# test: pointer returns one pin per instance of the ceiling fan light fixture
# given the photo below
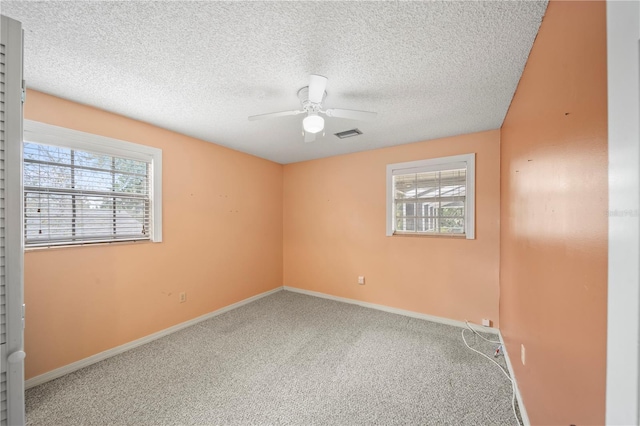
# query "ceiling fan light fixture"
(313, 123)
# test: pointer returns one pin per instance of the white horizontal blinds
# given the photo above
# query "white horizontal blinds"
(430, 201)
(74, 196)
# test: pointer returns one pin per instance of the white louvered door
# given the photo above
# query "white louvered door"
(11, 224)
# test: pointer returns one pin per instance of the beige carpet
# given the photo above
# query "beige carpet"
(287, 359)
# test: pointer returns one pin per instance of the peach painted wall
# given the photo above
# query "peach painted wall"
(334, 230)
(553, 292)
(222, 242)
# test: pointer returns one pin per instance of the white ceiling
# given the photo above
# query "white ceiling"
(430, 69)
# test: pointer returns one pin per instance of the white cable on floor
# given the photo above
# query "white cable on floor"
(480, 335)
(513, 385)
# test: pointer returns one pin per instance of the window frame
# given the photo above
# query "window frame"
(48, 134)
(431, 165)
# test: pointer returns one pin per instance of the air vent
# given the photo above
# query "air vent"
(348, 133)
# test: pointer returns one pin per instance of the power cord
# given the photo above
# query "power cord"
(480, 335)
(506, 374)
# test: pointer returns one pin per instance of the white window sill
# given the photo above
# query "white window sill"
(425, 234)
(89, 244)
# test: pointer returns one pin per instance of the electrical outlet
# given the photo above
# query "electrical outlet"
(183, 297)
(361, 280)
(486, 322)
(522, 355)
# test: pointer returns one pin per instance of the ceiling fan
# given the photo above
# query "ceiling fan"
(311, 98)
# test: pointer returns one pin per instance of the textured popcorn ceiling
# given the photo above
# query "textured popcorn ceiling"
(430, 69)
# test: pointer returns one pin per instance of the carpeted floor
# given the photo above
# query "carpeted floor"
(287, 359)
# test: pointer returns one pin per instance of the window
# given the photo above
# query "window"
(432, 197)
(81, 188)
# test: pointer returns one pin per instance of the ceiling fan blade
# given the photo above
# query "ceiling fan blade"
(275, 114)
(317, 86)
(351, 114)
(309, 137)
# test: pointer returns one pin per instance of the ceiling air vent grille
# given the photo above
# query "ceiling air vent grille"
(348, 133)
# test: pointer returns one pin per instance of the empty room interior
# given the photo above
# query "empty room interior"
(318, 213)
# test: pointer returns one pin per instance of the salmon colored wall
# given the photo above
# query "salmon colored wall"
(222, 242)
(553, 292)
(334, 230)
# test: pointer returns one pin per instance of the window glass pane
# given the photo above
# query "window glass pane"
(46, 175)
(131, 166)
(405, 186)
(427, 224)
(455, 208)
(429, 208)
(93, 160)
(92, 180)
(409, 209)
(47, 153)
(453, 183)
(452, 225)
(130, 183)
(440, 206)
(428, 184)
(405, 224)
(404, 209)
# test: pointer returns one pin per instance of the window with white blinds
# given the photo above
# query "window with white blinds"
(432, 197)
(81, 188)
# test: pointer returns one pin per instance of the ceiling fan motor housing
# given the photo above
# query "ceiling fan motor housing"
(307, 105)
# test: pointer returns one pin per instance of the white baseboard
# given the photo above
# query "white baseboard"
(59, 372)
(384, 308)
(523, 410)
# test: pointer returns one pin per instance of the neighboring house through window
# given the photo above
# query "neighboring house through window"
(432, 197)
(81, 188)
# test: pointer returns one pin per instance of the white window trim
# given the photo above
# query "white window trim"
(47, 134)
(433, 164)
